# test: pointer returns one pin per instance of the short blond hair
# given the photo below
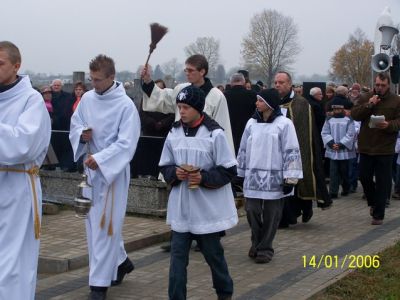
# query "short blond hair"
(13, 52)
(104, 64)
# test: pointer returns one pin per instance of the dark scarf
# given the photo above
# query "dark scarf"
(259, 117)
(287, 99)
(341, 115)
(207, 86)
(4, 88)
(311, 99)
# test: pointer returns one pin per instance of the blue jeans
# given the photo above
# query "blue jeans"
(213, 252)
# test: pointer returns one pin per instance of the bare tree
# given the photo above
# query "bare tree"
(207, 46)
(139, 71)
(271, 45)
(124, 76)
(220, 74)
(158, 73)
(232, 71)
(172, 67)
(352, 62)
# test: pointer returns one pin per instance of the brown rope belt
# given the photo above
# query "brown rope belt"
(110, 230)
(32, 172)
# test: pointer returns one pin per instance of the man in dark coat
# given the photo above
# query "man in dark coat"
(312, 186)
(241, 104)
(315, 99)
(62, 111)
(376, 144)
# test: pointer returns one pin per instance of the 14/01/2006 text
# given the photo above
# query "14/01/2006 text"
(348, 261)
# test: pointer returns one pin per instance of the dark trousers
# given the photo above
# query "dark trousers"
(326, 165)
(376, 192)
(397, 180)
(353, 172)
(63, 149)
(339, 174)
(394, 176)
(263, 217)
(293, 208)
(213, 252)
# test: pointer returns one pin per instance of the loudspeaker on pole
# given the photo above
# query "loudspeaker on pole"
(380, 62)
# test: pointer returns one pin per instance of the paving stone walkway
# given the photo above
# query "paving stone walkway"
(63, 241)
(341, 231)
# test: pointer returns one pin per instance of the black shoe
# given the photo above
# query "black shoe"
(344, 193)
(48, 168)
(307, 215)
(376, 221)
(396, 195)
(333, 196)
(252, 252)
(166, 247)
(262, 259)
(125, 268)
(283, 225)
(98, 293)
(371, 211)
(325, 204)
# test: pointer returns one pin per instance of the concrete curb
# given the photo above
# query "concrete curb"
(54, 265)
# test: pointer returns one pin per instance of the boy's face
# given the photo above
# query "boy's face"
(8, 70)
(188, 114)
(338, 111)
(261, 105)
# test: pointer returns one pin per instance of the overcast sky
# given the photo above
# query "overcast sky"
(57, 36)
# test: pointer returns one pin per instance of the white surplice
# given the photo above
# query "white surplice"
(164, 101)
(340, 130)
(201, 210)
(269, 153)
(24, 138)
(115, 127)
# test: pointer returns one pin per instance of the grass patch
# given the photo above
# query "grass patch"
(377, 284)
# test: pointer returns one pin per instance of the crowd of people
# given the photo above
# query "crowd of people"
(277, 145)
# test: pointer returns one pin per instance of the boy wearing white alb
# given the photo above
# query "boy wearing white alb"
(198, 163)
(270, 162)
(338, 138)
